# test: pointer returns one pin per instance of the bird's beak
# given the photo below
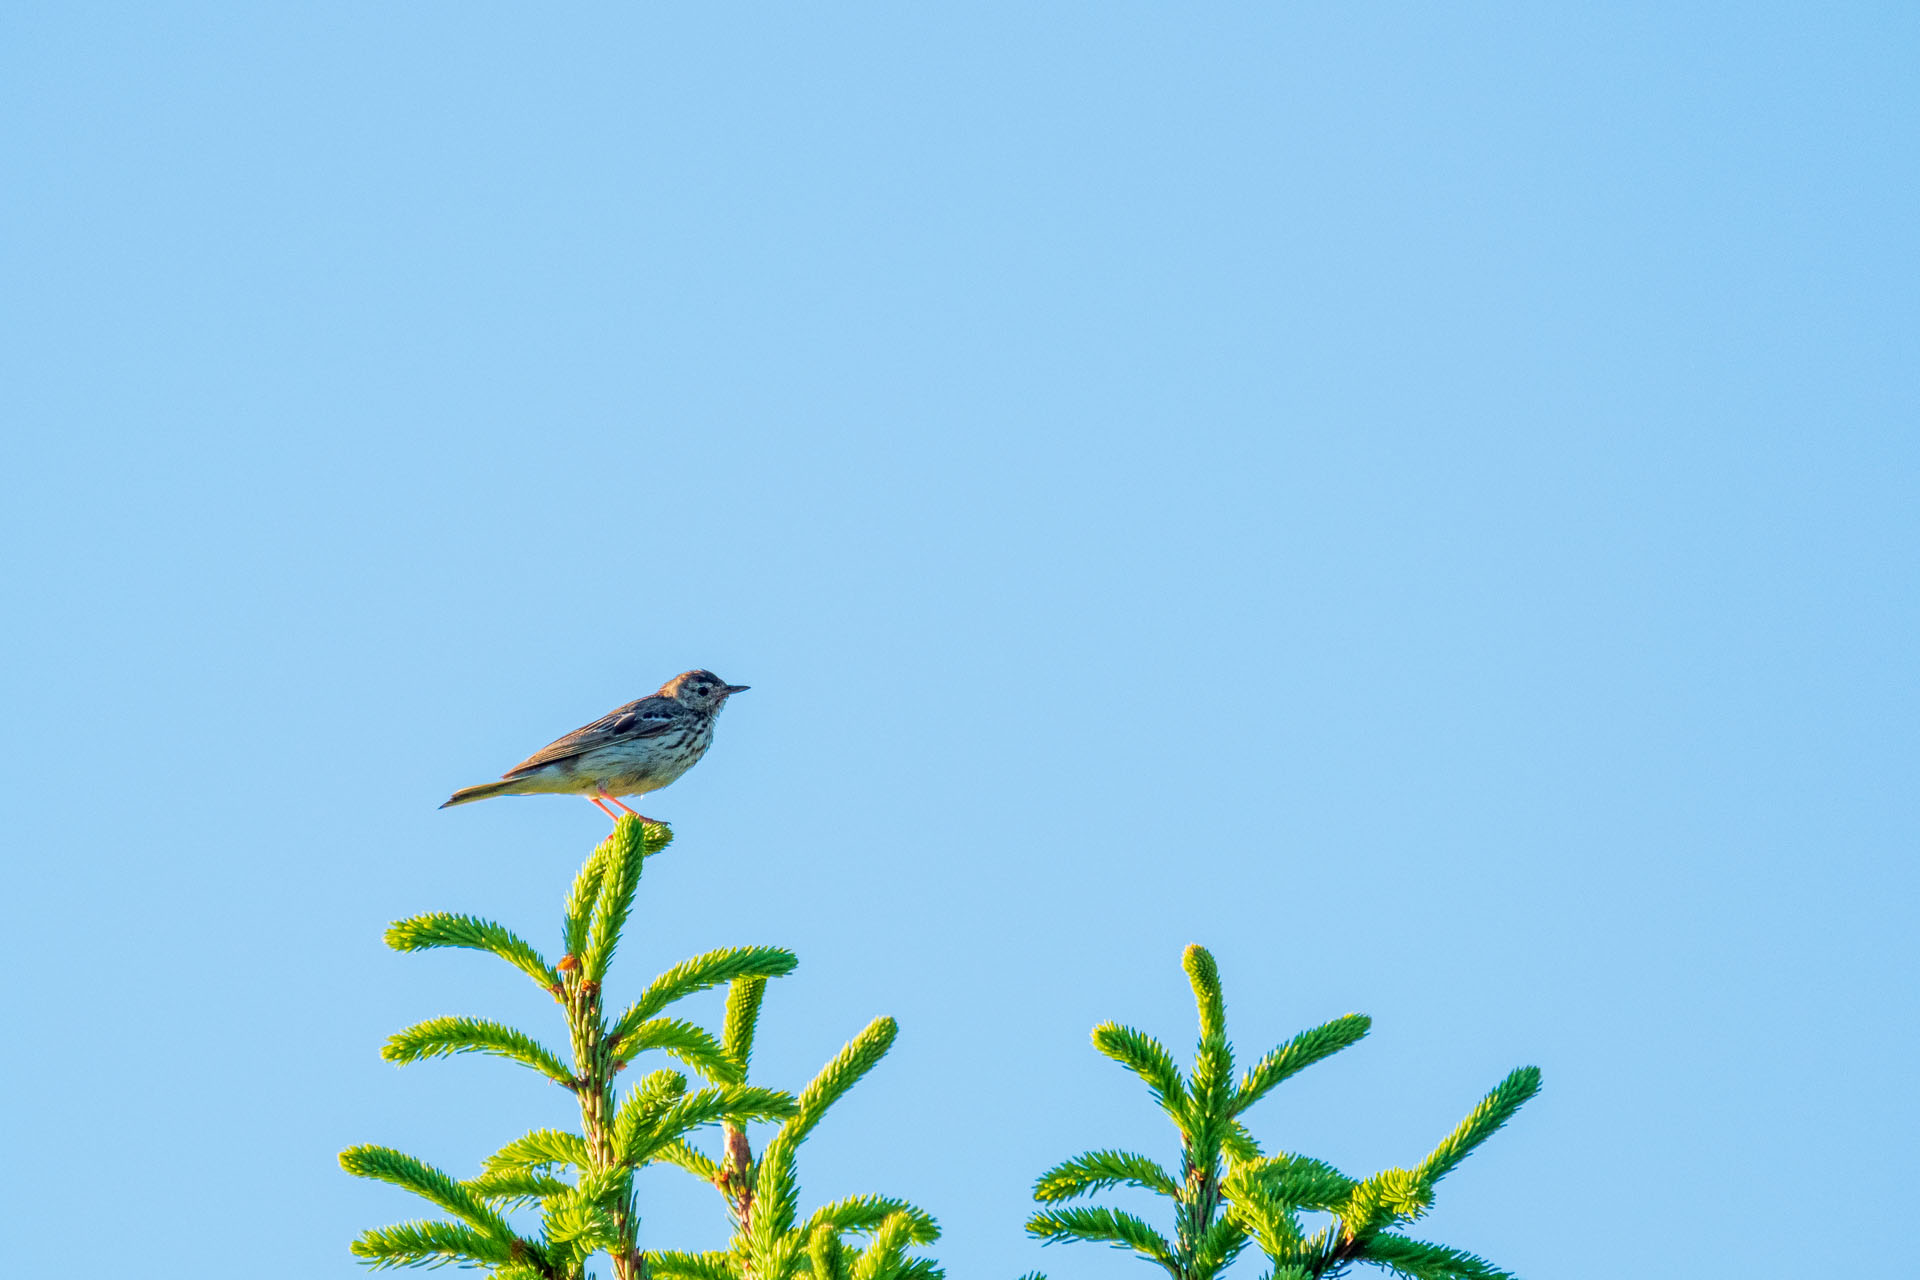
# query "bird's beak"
(738, 688)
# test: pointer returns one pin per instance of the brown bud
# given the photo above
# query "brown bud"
(739, 1153)
(568, 963)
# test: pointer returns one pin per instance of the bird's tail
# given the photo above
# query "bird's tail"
(466, 795)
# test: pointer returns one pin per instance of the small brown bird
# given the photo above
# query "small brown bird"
(630, 751)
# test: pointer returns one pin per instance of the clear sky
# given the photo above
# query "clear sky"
(1421, 499)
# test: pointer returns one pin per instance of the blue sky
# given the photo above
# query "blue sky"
(1422, 501)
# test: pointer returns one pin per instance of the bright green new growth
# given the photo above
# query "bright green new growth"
(763, 1196)
(1310, 1220)
(1228, 1194)
(581, 1182)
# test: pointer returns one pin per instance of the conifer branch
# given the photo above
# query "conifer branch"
(1237, 1144)
(1422, 1261)
(387, 1165)
(848, 1067)
(598, 1185)
(619, 881)
(597, 1212)
(735, 1103)
(696, 1162)
(539, 1150)
(1203, 974)
(1098, 1170)
(644, 1106)
(582, 1223)
(762, 1196)
(665, 1264)
(1209, 1111)
(1297, 1054)
(702, 972)
(743, 1015)
(1228, 1192)
(1148, 1059)
(584, 897)
(775, 1192)
(1104, 1226)
(882, 1258)
(826, 1255)
(515, 1188)
(1270, 1220)
(1387, 1198)
(444, 929)
(1498, 1107)
(1218, 1246)
(443, 1037)
(1298, 1181)
(868, 1213)
(429, 1243)
(780, 1257)
(692, 1045)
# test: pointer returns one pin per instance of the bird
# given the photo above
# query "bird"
(630, 751)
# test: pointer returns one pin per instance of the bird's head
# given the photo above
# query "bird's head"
(701, 690)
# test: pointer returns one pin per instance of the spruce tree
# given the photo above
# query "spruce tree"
(1309, 1219)
(582, 1182)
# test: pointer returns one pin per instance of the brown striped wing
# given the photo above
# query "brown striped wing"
(647, 718)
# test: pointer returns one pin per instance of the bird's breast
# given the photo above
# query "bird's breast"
(647, 764)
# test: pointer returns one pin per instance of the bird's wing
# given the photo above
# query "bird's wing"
(643, 719)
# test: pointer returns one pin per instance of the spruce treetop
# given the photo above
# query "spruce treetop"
(581, 1182)
(1309, 1219)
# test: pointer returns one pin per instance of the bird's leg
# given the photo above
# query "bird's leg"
(616, 800)
(599, 804)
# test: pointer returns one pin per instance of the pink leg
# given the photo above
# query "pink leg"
(597, 803)
(616, 800)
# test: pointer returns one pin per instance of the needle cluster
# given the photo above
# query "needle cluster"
(582, 1181)
(1310, 1220)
